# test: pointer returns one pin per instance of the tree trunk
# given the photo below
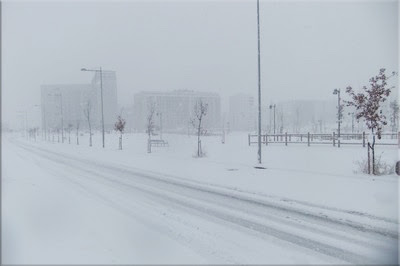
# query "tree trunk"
(90, 137)
(120, 141)
(373, 155)
(77, 137)
(198, 139)
(149, 141)
(369, 160)
(148, 146)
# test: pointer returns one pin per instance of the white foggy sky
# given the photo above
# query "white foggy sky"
(308, 48)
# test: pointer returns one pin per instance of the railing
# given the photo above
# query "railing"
(328, 139)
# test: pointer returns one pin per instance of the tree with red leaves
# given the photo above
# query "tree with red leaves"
(120, 126)
(368, 107)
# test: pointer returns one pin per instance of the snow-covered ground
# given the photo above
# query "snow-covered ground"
(63, 203)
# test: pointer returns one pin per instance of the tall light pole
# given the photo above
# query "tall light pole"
(259, 84)
(337, 92)
(101, 89)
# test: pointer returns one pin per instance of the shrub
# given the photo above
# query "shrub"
(381, 167)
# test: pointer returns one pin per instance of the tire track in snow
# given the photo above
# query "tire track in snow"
(234, 219)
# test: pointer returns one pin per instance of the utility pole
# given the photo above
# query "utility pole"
(101, 91)
(274, 119)
(337, 91)
(259, 84)
(62, 118)
(102, 110)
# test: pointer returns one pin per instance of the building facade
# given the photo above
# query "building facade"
(63, 105)
(110, 102)
(174, 110)
(242, 113)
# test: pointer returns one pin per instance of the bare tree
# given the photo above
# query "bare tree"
(77, 131)
(150, 124)
(120, 126)
(200, 110)
(368, 107)
(70, 126)
(394, 116)
(87, 112)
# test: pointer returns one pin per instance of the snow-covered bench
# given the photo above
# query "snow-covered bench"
(158, 143)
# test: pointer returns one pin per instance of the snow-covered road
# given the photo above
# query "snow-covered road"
(221, 224)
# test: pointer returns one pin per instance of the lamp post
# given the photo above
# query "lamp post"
(337, 92)
(259, 83)
(101, 89)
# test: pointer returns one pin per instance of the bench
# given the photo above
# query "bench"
(158, 143)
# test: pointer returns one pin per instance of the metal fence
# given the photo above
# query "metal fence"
(327, 139)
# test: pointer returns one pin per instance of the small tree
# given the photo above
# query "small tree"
(150, 124)
(77, 131)
(70, 126)
(368, 107)
(394, 115)
(120, 126)
(87, 111)
(200, 110)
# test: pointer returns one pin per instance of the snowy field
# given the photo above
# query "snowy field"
(63, 203)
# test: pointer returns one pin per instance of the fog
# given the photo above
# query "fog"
(131, 132)
(307, 48)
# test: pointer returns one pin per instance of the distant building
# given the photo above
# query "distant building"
(71, 100)
(242, 112)
(65, 99)
(110, 102)
(176, 109)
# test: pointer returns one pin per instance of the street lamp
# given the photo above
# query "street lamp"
(337, 92)
(259, 83)
(101, 89)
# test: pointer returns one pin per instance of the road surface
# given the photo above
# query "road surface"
(223, 224)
